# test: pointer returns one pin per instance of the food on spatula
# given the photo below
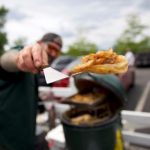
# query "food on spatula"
(102, 62)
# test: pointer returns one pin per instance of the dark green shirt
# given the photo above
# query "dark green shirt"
(18, 98)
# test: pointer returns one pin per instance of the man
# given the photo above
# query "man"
(130, 57)
(18, 91)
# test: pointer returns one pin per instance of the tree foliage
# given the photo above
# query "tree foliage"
(81, 47)
(133, 36)
(21, 41)
(3, 38)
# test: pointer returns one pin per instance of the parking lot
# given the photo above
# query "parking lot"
(138, 98)
(139, 94)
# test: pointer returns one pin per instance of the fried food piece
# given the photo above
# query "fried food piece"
(102, 62)
(87, 98)
(83, 119)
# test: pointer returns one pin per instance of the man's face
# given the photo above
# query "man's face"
(55, 48)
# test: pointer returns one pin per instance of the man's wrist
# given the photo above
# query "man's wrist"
(8, 61)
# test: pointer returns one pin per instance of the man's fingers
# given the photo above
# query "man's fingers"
(20, 63)
(23, 64)
(37, 55)
(27, 58)
(45, 58)
(33, 58)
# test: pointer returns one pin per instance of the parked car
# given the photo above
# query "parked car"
(142, 59)
(127, 79)
(61, 62)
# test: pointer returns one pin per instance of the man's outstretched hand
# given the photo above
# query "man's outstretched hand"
(35, 57)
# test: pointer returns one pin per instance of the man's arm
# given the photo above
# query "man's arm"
(8, 61)
(30, 59)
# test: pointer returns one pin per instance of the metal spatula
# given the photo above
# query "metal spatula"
(52, 75)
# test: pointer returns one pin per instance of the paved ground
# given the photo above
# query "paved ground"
(139, 98)
(137, 92)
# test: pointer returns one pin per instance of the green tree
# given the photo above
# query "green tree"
(3, 38)
(21, 41)
(133, 36)
(81, 47)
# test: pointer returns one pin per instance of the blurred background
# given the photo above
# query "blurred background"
(85, 26)
(97, 24)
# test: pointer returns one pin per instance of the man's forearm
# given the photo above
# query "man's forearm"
(8, 61)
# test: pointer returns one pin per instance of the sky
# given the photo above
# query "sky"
(99, 21)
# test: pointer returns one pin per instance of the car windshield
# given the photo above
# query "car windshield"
(61, 62)
(73, 63)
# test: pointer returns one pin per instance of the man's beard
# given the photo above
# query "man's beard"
(51, 59)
